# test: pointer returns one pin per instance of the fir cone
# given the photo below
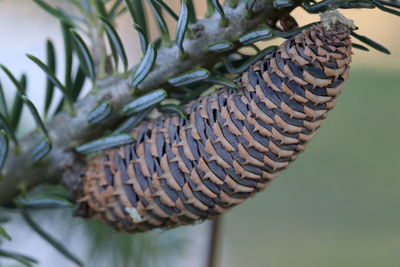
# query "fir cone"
(233, 144)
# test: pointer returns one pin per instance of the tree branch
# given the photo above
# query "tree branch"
(67, 131)
(214, 243)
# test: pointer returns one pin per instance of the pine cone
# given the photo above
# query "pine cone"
(233, 144)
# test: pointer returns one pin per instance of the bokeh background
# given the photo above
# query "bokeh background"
(337, 205)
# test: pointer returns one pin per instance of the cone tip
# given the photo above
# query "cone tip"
(331, 17)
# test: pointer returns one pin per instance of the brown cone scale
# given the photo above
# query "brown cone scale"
(233, 144)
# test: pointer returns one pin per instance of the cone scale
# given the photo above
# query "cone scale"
(233, 144)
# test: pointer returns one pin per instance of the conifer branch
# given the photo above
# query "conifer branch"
(68, 131)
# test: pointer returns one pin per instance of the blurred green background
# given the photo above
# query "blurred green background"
(339, 203)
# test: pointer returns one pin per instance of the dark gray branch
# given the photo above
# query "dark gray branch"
(67, 131)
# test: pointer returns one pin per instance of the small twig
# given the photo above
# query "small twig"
(213, 247)
(98, 48)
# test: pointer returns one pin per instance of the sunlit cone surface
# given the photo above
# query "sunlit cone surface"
(233, 144)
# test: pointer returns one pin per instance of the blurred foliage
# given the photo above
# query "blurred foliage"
(148, 249)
